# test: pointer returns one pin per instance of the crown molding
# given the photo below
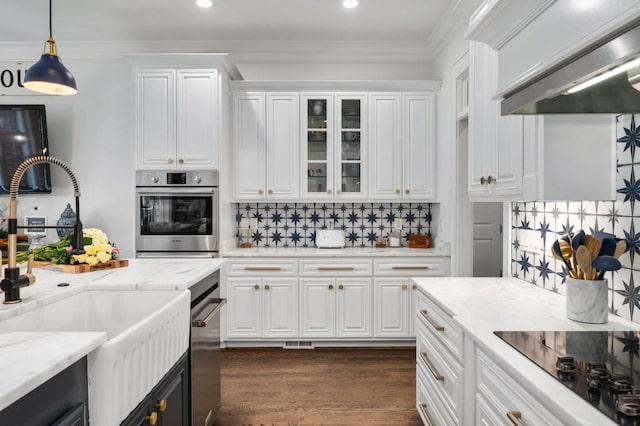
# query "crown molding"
(338, 85)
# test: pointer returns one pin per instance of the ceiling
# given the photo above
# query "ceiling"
(244, 20)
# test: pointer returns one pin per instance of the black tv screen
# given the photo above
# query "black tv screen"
(23, 134)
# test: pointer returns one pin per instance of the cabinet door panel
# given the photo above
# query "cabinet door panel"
(280, 304)
(156, 140)
(249, 145)
(317, 307)
(316, 138)
(391, 301)
(197, 119)
(508, 158)
(353, 304)
(350, 146)
(244, 313)
(419, 152)
(282, 159)
(386, 150)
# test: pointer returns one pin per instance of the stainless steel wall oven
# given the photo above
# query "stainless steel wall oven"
(177, 213)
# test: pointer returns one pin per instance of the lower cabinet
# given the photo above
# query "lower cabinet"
(168, 403)
(60, 401)
(392, 303)
(262, 307)
(335, 307)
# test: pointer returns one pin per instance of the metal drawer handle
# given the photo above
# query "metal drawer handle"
(439, 377)
(434, 324)
(203, 322)
(335, 268)
(262, 268)
(410, 267)
(516, 418)
(425, 413)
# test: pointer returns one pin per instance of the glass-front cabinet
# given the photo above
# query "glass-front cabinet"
(334, 138)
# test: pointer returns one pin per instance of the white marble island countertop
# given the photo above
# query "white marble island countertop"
(28, 359)
(344, 252)
(484, 305)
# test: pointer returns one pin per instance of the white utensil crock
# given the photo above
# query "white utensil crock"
(588, 301)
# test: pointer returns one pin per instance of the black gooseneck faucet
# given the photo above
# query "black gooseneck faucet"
(13, 281)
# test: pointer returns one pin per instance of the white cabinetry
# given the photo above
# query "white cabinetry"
(177, 118)
(334, 136)
(402, 147)
(265, 145)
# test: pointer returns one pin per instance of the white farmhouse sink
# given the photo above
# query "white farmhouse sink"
(147, 332)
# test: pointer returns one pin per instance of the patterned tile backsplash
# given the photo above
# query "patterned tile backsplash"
(295, 224)
(536, 225)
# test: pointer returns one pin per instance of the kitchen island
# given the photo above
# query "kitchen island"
(469, 310)
(34, 357)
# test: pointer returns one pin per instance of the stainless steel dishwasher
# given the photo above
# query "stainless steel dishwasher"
(205, 350)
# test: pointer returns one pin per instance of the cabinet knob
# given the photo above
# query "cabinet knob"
(328, 191)
(415, 287)
(162, 405)
(260, 191)
(406, 191)
(181, 161)
(404, 286)
(257, 287)
(266, 287)
(482, 180)
(340, 287)
(152, 419)
(397, 191)
(490, 179)
(270, 192)
(170, 161)
(330, 286)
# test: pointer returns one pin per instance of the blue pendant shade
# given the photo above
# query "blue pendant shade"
(49, 75)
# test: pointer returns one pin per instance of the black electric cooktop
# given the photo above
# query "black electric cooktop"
(602, 367)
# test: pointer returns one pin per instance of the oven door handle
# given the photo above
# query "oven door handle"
(198, 323)
(175, 191)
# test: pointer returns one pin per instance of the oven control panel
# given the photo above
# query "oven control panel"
(185, 178)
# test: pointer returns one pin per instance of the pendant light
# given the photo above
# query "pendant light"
(49, 75)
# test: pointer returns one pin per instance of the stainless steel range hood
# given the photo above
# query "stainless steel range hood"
(546, 94)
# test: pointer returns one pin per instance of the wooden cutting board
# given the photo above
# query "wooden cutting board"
(80, 268)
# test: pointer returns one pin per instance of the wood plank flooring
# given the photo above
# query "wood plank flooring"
(322, 386)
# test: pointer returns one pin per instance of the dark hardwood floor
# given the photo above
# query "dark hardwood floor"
(322, 386)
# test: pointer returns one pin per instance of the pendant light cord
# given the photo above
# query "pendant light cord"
(50, 25)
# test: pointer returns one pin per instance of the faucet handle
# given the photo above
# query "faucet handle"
(29, 275)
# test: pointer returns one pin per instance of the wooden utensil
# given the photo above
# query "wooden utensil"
(583, 258)
(593, 245)
(621, 247)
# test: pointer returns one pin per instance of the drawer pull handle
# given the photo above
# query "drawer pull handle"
(162, 405)
(262, 268)
(152, 419)
(410, 267)
(335, 268)
(434, 324)
(425, 414)
(439, 377)
(515, 417)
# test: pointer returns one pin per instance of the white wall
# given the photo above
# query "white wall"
(92, 132)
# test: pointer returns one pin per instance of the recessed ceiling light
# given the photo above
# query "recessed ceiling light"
(350, 4)
(204, 3)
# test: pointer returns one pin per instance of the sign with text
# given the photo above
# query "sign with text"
(35, 225)
(12, 79)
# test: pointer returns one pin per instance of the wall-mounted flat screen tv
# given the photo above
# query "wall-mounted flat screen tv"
(23, 134)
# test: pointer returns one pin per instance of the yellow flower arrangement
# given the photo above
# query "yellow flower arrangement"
(98, 251)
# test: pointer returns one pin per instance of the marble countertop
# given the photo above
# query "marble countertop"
(484, 305)
(345, 252)
(28, 359)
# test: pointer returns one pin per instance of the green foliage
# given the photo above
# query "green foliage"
(54, 252)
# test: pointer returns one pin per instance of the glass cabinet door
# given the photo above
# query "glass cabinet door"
(350, 145)
(317, 140)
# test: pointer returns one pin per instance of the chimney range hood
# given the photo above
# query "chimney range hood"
(549, 92)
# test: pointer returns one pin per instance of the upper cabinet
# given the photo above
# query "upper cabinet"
(177, 119)
(334, 145)
(181, 109)
(265, 145)
(402, 146)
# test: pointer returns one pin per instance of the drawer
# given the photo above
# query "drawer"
(499, 396)
(261, 267)
(442, 371)
(430, 407)
(433, 321)
(411, 267)
(334, 267)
